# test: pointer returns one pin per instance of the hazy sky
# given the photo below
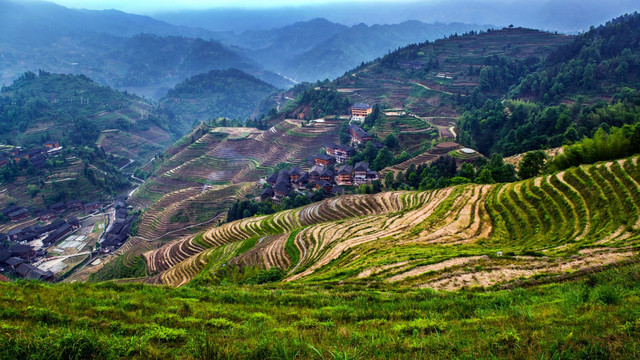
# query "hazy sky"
(150, 6)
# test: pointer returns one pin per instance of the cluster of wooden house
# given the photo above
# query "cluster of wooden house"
(55, 230)
(16, 213)
(284, 182)
(118, 232)
(16, 255)
(37, 157)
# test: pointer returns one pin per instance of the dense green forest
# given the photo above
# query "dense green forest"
(70, 108)
(227, 93)
(581, 86)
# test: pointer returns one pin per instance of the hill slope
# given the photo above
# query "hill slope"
(75, 110)
(230, 93)
(578, 219)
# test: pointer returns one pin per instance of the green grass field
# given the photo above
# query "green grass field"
(593, 317)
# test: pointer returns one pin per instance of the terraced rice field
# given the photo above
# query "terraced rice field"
(473, 235)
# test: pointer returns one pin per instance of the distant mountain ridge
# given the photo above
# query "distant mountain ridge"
(130, 52)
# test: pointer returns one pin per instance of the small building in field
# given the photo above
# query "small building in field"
(359, 111)
(444, 148)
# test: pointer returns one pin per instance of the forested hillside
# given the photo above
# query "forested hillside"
(589, 83)
(75, 110)
(229, 93)
(127, 52)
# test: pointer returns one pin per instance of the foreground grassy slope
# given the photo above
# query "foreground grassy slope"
(595, 317)
(473, 235)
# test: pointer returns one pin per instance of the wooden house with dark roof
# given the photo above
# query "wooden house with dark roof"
(294, 174)
(359, 111)
(52, 144)
(345, 175)
(325, 185)
(9, 209)
(266, 193)
(14, 262)
(47, 215)
(314, 174)
(303, 179)
(59, 207)
(19, 214)
(31, 272)
(22, 251)
(74, 205)
(74, 222)
(326, 175)
(14, 234)
(92, 206)
(342, 153)
(323, 160)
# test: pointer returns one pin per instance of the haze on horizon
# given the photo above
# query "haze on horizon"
(150, 6)
(566, 16)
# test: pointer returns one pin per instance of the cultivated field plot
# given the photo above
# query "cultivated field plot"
(577, 220)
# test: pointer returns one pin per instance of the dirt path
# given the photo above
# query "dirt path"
(428, 88)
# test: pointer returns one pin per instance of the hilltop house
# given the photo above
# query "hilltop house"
(358, 135)
(359, 111)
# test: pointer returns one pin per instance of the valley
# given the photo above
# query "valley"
(175, 192)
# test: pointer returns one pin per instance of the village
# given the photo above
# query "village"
(47, 244)
(329, 172)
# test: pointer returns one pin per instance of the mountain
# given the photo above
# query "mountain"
(75, 110)
(40, 21)
(566, 16)
(228, 93)
(110, 47)
(361, 43)
(587, 84)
